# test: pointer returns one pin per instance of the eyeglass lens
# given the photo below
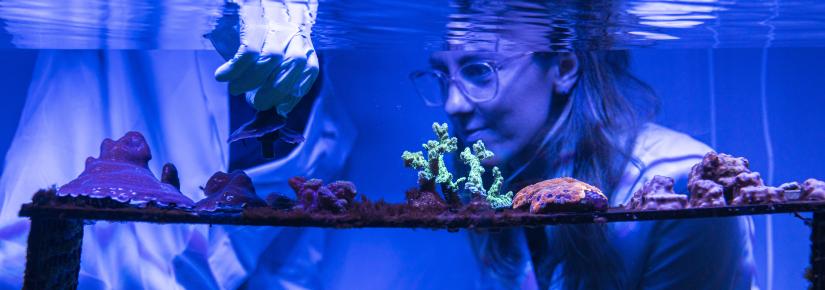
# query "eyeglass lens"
(477, 81)
(431, 86)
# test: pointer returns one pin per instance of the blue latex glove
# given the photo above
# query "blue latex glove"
(275, 64)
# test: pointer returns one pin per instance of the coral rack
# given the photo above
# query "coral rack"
(60, 222)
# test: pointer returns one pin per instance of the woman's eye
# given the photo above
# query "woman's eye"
(477, 72)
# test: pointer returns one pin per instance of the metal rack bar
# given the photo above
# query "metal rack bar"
(53, 259)
(398, 219)
(53, 254)
(818, 251)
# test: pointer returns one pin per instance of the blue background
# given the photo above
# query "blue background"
(690, 83)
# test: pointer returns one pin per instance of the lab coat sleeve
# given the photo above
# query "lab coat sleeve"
(288, 258)
(36, 159)
(676, 247)
(679, 251)
(684, 244)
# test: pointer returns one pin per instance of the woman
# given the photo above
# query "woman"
(583, 115)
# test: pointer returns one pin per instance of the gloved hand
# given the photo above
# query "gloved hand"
(276, 63)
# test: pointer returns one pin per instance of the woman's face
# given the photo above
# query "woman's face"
(516, 116)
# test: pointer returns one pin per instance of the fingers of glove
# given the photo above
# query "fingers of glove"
(267, 97)
(308, 77)
(256, 75)
(260, 99)
(286, 104)
(289, 74)
(295, 61)
(272, 55)
(264, 97)
(253, 32)
(232, 69)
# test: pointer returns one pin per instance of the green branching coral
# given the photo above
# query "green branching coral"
(433, 169)
(475, 183)
(496, 199)
(473, 159)
(416, 160)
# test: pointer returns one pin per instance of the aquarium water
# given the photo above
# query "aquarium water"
(743, 77)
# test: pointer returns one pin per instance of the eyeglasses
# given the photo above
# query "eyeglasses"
(478, 81)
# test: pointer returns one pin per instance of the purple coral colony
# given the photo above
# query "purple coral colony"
(120, 177)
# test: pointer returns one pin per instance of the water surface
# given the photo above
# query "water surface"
(376, 24)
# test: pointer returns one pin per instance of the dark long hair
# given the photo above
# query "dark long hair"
(594, 143)
(609, 109)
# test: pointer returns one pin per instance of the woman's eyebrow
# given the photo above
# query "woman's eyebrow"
(476, 57)
(437, 63)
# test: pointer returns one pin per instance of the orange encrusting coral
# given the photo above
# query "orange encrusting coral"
(560, 194)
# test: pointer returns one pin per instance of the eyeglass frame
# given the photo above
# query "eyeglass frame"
(451, 78)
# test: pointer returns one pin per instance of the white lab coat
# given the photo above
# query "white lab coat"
(77, 98)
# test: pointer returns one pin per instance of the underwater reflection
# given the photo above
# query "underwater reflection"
(376, 24)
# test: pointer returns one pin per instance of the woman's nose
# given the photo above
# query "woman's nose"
(457, 102)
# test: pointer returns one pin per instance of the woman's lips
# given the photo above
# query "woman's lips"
(475, 135)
